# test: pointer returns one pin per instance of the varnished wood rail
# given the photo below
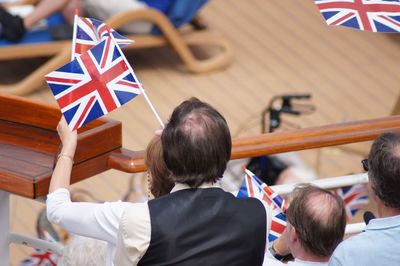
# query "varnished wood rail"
(302, 139)
(29, 144)
(315, 137)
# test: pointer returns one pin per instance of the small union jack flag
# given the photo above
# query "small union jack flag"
(354, 198)
(278, 224)
(252, 186)
(369, 15)
(249, 189)
(90, 32)
(40, 258)
(93, 84)
(277, 200)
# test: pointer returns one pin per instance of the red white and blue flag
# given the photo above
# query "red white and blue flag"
(93, 84)
(278, 224)
(250, 189)
(252, 186)
(40, 258)
(368, 15)
(354, 198)
(90, 32)
(276, 199)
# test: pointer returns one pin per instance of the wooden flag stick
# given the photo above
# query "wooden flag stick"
(149, 102)
(139, 83)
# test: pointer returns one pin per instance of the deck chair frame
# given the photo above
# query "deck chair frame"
(60, 51)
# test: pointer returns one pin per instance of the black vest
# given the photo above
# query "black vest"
(206, 227)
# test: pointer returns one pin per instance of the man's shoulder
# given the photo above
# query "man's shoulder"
(210, 193)
(360, 241)
(352, 249)
(250, 201)
(251, 207)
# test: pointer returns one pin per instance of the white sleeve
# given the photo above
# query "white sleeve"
(134, 235)
(96, 220)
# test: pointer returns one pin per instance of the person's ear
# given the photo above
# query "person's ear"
(293, 234)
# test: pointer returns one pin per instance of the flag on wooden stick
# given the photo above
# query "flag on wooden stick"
(93, 84)
(88, 32)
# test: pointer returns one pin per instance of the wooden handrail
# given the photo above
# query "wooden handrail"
(314, 137)
(302, 139)
(29, 144)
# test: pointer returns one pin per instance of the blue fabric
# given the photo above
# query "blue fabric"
(161, 5)
(178, 12)
(30, 38)
(379, 245)
(181, 12)
(38, 36)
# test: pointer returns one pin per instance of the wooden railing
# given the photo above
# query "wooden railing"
(271, 143)
(29, 144)
(29, 138)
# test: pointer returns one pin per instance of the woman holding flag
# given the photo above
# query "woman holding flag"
(97, 220)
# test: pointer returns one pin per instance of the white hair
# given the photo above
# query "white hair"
(83, 251)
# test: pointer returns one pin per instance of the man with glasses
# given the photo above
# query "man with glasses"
(379, 244)
(316, 223)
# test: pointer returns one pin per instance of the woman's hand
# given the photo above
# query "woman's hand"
(62, 171)
(68, 138)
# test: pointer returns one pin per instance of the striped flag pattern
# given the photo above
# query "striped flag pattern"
(354, 198)
(368, 15)
(252, 186)
(89, 32)
(93, 84)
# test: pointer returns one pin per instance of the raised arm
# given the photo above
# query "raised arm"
(62, 172)
(97, 220)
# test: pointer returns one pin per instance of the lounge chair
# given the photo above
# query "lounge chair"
(60, 52)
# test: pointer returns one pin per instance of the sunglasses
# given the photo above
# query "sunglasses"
(365, 165)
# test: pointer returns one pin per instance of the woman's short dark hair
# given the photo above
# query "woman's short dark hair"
(319, 219)
(161, 182)
(197, 143)
(384, 169)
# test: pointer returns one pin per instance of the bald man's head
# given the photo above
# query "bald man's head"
(196, 143)
(319, 219)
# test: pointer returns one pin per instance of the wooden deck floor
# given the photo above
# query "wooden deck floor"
(281, 46)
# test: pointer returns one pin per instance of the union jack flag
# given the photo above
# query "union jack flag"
(277, 200)
(40, 258)
(252, 186)
(369, 15)
(89, 32)
(93, 84)
(354, 198)
(278, 224)
(251, 189)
